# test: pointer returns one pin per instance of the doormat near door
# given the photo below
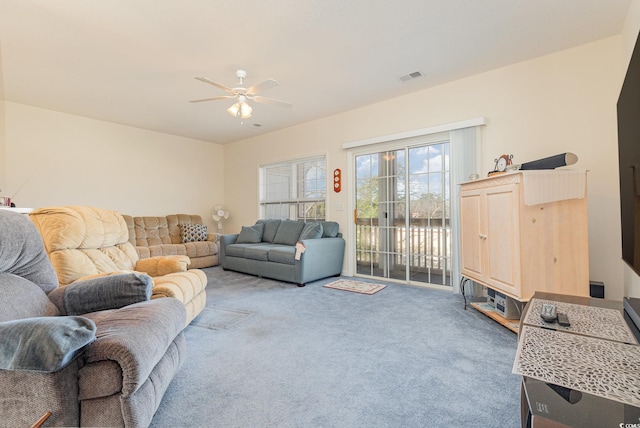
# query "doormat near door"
(218, 318)
(355, 286)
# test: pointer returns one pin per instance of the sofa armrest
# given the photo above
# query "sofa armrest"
(224, 241)
(323, 244)
(321, 258)
(138, 337)
(163, 265)
(102, 293)
(229, 239)
(44, 344)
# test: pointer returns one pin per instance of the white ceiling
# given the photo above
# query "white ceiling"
(134, 61)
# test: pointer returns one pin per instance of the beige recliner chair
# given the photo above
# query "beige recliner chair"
(84, 242)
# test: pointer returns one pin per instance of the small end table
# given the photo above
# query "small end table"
(545, 404)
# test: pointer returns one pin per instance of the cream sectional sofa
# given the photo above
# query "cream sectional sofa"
(84, 242)
(162, 236)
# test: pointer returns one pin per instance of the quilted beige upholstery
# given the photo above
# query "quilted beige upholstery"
(85, 241)
(161, 236)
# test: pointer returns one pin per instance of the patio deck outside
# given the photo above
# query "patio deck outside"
(425, 246)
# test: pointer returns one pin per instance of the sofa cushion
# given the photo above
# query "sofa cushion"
(106, 292)
(283, 254)
(147, 230)
(22, 253)
(163, 265)
(44, 344)
(288, 232)
(251, 234)
(165, 250)
(257, 252)
(311, 230)
(174, 222)
(199, 249)
(22, 298)
(237, 250)
(329, 229)
(79, 227)
(270, 229)
(84, 241)
(191, 232)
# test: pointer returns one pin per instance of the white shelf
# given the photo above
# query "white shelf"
(17, 210)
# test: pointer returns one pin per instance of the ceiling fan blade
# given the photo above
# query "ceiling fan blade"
(262, 86)
(271, 101)
(216, 84)
(211, 99)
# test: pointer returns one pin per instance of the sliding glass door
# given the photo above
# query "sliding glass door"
(402, 214)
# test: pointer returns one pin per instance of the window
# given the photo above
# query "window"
(294, 190)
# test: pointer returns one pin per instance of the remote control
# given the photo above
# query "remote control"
(563, 320)
(548, 312)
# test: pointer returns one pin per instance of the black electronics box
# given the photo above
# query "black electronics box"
(596, 289)
(491, 297)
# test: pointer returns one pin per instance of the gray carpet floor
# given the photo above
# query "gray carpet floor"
(270, 354)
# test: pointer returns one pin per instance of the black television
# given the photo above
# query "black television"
(629, 161)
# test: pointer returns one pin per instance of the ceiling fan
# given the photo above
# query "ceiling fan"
(241, 94)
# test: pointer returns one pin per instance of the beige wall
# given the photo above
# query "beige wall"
(554, 104)
(60, 159)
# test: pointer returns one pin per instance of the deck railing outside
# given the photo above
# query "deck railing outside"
(429, 246)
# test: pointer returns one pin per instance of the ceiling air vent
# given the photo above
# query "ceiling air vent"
(411, 76)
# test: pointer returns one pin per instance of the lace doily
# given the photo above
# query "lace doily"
(599, 367)
(588, 320)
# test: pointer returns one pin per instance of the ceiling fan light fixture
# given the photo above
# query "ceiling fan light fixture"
(241, 110)
(245, 110)
(234, 110)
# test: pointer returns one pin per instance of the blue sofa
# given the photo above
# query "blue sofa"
(286, 250)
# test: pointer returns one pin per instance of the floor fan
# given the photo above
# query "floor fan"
(220, 214)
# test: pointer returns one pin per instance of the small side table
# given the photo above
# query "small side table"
(544, 404)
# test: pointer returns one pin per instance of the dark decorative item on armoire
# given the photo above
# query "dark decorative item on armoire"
(552, 162)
